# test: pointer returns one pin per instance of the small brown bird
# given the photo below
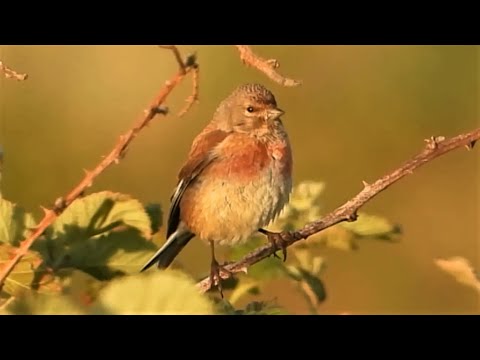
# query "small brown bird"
(236, 180)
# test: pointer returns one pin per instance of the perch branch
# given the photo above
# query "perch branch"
(268, 67)
(117, 153)
(435, 147)
(9, 73)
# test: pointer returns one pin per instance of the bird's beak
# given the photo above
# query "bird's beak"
(273, 114)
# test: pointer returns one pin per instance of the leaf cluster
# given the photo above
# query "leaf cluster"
(88, 260)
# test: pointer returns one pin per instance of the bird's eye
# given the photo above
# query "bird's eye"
(250, 109)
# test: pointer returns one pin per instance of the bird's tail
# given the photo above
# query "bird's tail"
(172, 247)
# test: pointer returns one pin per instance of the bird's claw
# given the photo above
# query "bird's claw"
(277, 242)
(215, 275)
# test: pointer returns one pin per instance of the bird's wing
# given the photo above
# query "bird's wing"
(201, 155)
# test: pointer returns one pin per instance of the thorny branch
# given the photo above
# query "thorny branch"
(268, 67)
(193, 98)
(117, 153)
(435, 147)
(9, 73)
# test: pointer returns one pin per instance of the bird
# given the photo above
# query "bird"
(236, 180)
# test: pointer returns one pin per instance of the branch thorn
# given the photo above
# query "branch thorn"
(46, 211)
(352, 217)
(471, 145)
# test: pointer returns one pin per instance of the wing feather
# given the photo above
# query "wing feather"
(201, 155)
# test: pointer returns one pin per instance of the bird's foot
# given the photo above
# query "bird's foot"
(216, 278)
(277, 242)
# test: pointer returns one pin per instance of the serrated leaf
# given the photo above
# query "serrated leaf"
(461, 269)
(104, 234)
(15, 223)
(161, 292)
(43, 304)
(372, 226)
(105, 257)
(28, 274)
(99, 214)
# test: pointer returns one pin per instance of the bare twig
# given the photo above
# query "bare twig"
(177, 55)
(113, 157)
(266, 66)
(9, 73)
(193, 98)
(436, 146)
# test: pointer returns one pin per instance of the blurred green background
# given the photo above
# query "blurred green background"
(361, 111)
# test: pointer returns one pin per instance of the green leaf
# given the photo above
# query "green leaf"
(311, 285)
(304, 206)
(335, 238)
(15, 223)
(104, 234)
(161, 292)
(5, 300)
(309, 262)
(224, 307)
(306, 194)
(1, 169)
(155, 214)
(42, 304)
(245, 287)
(462, 271)
(372, 226)
(269, 268)
(100, 214)
(79, 285)
(307, 275)
(28, 274)
(105, 257)
(262, 308)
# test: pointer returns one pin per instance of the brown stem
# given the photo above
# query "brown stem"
(436, 146)
(113, 157)
(266, 66)
(193, 98)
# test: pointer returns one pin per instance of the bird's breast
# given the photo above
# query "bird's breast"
(239, 193)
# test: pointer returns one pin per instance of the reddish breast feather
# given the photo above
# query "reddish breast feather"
(241, 156)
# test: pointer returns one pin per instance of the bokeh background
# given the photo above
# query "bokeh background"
(361, 111)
